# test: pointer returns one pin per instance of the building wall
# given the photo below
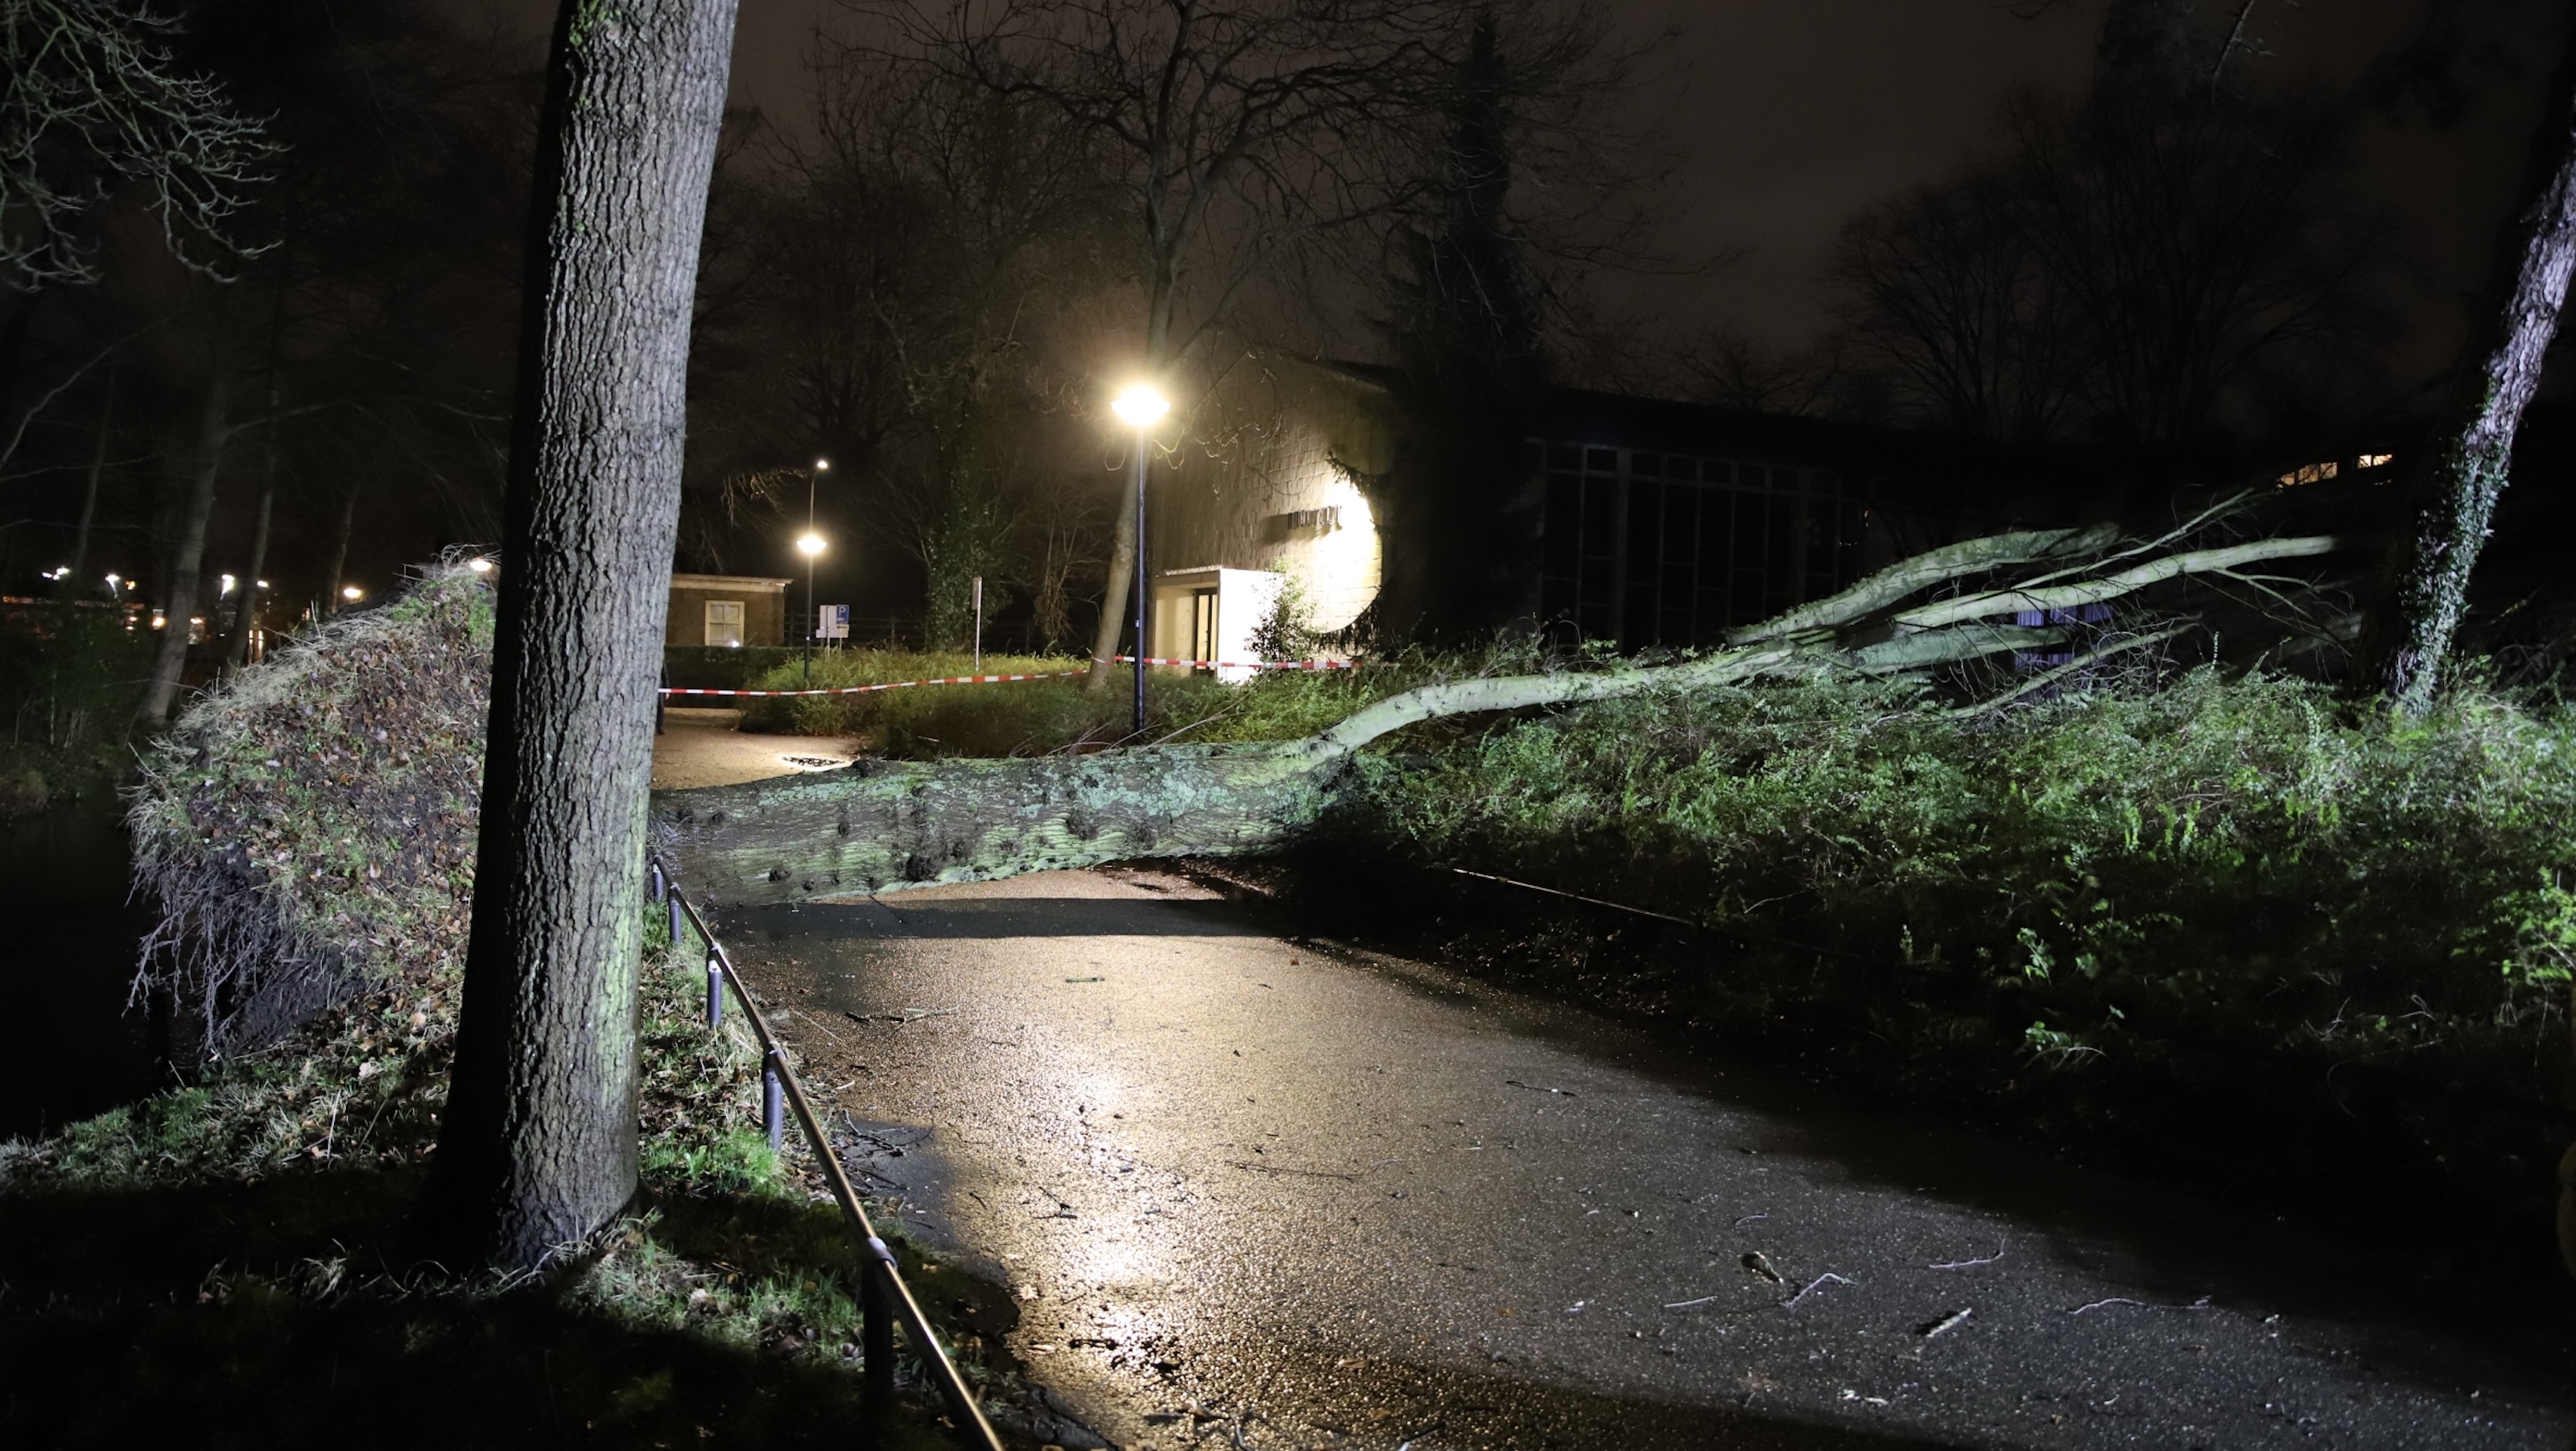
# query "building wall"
(1267, 481)
(764, 608)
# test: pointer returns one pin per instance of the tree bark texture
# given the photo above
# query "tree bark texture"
(1115, 609)
(2468, 465)
(537, 1148)
(170, 661)
(885, 826)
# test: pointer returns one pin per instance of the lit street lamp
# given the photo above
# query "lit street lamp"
(352, 593)
(811, 546)
(1140, 408)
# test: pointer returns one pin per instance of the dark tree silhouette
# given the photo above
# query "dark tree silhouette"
(537, 1148)
(1468, 335)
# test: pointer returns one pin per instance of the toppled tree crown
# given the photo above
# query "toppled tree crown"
(308, 828)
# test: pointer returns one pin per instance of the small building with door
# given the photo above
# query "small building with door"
(727, 611)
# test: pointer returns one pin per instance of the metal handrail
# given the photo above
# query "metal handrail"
(883, 1296)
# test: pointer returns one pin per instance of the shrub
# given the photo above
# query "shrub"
(2246, 861)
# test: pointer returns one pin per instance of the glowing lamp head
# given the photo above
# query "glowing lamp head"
(822, 466)
(352, 593)
(809, 545)
(479, 566)
(1141, 406)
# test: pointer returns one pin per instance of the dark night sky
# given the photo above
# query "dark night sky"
(1789, 115)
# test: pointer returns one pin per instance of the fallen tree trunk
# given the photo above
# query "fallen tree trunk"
(885, 826)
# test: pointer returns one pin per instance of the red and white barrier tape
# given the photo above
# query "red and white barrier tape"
(889, 685)
(1241, 664)
(1049, 675)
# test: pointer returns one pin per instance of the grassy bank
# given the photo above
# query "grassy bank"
(230, 1257)
(2252, 930)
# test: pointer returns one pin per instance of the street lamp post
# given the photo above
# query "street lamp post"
(811, 546)
(1141, 407)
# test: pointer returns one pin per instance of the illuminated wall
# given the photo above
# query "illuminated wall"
(1267, 483)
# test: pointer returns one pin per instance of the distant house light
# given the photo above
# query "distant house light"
(2374, 461)
(2310, 473)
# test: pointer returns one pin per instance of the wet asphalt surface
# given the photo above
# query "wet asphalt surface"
(1273, 1193)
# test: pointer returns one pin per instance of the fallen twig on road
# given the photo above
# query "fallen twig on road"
(1970, 1264)
(1818, 1283)
(2200, 1304)
(1945, 1325)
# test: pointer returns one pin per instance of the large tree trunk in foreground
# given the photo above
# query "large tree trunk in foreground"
(537, 1148)
(2466, 468)
(883, 826)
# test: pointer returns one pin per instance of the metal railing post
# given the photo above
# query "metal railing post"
(654, 889)
(678, 923)
(876, 1322)
(883, 1297)
(773, 1102)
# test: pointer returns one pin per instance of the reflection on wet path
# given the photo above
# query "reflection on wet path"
(1252, 1187)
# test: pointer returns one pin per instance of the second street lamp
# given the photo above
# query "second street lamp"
(811, 546)
(1141, 407)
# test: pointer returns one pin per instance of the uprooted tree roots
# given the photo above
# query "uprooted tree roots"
(308, 830)
(882, 826)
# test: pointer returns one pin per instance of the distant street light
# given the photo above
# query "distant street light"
(810, 544)
(1140, 408)
(479, 565)
(230, 584)
(352, 593)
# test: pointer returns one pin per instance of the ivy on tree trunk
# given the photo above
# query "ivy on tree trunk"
(2472, 454)
(537, 1149)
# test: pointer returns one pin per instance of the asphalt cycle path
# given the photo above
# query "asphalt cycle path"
(1258, 1191)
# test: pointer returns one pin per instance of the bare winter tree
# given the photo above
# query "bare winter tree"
(90, 99)
(1946, 290)
(1242, 129)
(537, 1147)
(2158, 261)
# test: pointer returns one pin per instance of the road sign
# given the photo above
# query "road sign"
(834, 622)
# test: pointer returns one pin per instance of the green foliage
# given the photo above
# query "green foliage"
(1035, 717)
(2249, 861)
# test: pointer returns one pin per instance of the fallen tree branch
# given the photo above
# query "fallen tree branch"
(2110, 587)
(882, 826)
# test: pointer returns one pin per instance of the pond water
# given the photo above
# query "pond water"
(68, 1047)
